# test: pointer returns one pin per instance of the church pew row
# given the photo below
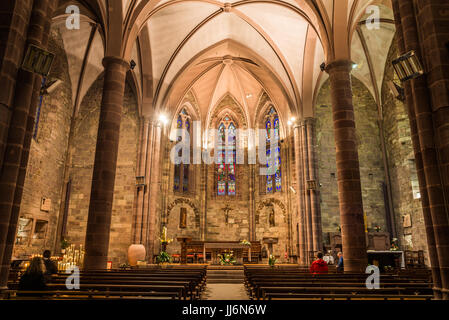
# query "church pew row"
(185, 283)
(268, 283)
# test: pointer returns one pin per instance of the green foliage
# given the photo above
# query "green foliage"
(64, 244)
(227, 258)
(163, 257)
(271, 261)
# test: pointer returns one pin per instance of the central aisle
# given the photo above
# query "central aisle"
(225, 283)
(225, 291)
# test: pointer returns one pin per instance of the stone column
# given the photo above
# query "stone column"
(314, 194)
(142, 191)
(422, 115)
(433, 22)
(103, 179)
(155, 191)
(12, 176)
(300, 195)
(433, 256)
(348, 171)
(306, 191)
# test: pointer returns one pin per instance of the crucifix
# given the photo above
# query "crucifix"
(226, 212)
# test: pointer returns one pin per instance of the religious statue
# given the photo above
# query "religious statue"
(226, 212)
(271, 218)
(183, 218)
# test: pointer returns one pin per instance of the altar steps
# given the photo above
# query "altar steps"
(225, 274)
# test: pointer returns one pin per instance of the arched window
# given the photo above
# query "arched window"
(226, 168)
(273, 182)
(181, 173)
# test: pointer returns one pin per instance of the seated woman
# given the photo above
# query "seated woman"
(319, 266)
(34, 278)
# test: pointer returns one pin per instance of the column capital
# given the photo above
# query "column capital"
(115, 60)
(340, 64)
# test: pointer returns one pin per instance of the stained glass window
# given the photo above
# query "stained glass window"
(273, 182)
(227, 153)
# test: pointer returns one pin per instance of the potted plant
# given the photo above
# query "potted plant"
(272, 261)
(64, 245)
(163, 259)
(124, 266)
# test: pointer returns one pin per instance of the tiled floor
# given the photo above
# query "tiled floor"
(224, 291)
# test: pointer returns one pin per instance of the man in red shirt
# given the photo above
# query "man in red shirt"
(319, 266)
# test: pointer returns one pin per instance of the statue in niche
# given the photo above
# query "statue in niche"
(226, 212)
(183, 218)
(271, 217)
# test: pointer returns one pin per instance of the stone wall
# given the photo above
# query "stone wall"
(45, 173)
(81, 169)
(238, 226)
(370, 157)
(401, 156)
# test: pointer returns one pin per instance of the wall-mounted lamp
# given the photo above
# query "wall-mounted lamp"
(397, 91)
(408, 66)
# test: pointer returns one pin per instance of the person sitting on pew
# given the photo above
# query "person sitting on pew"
(340, 265)
(34, 278)
(319, 266)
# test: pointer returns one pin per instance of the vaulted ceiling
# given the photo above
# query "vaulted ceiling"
(211, 48)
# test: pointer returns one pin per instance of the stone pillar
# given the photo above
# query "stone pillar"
(103, 179)
(433, 21)
(314, 194)
(306, 191)
(155, 191)
(433, 256)
(348, 171)
(431, 176)
(12, 176)
(142, 191)
(300, 195)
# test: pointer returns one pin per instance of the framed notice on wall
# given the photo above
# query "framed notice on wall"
(407, 221)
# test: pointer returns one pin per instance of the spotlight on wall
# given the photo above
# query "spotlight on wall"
(293, 189)
(163, 119)
(323, 66)
(132, 64)
(289, 122)
(408, 66)
(354, 66)
(396, 90)
(51, 86)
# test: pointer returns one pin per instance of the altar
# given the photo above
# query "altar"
(211, 250)
(217, 248)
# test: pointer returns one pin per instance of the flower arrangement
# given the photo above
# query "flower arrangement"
(163, 257)
(245, 243)
(394, 245)
(271, 261)
(227, 258)
(163, 238)
(377, 228)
